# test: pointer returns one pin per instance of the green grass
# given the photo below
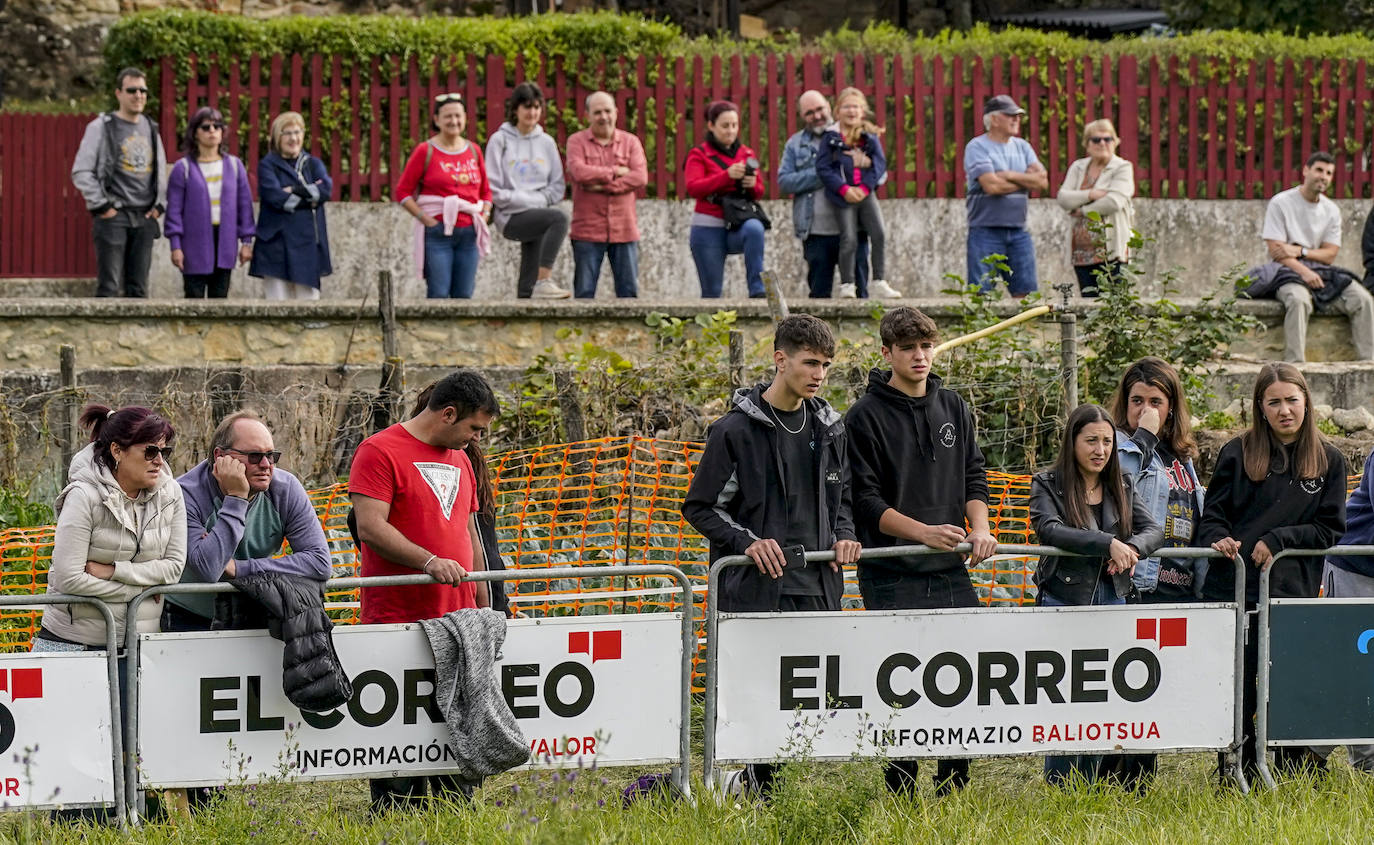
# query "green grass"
(1006, 802)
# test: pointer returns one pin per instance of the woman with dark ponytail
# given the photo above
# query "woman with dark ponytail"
(121, 528)
(1084, 505)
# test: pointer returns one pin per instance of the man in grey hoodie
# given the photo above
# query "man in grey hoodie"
(121, 171)
(526, 176)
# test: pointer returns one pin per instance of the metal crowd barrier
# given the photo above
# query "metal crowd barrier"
(1263, 675)
(112, 676)
(128, 778)
(713, 618)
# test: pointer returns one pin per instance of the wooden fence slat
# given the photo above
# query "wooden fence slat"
(1250, 171)
(1210, 164)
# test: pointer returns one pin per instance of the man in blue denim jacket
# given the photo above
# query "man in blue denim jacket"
(815, 222)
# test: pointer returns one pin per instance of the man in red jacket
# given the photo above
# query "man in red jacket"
(606, 166)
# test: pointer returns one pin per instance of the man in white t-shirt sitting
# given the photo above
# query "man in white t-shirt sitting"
(1302, 232)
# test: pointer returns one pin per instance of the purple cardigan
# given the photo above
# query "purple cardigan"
(188, 226)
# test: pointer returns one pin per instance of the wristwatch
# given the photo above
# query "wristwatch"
(1302, 252)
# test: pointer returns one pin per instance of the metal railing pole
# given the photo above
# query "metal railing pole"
(111, 678)
(688, 638)
(1262, 675)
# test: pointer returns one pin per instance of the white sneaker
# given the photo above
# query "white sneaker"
(549, 289)
(883, 290)
(848, 291)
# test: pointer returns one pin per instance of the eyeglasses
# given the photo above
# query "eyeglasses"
(451, 97)
(255, 458)
(143, 91)
(151, 452)
(1101, 139)
(211, 127)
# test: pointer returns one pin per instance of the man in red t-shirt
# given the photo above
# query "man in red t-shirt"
(415, 501)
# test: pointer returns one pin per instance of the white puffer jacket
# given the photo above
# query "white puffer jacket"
(144, 537)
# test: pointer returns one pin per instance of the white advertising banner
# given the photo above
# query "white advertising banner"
(975, 683)
(55, 737)
(212, 710)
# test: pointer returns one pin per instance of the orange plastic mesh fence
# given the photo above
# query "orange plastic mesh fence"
(597, 502)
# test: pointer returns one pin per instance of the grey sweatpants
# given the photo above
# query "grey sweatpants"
(540, 231)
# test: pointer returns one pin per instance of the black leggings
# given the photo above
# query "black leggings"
(541, 232)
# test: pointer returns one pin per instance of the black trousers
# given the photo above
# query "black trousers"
(920, 591)
(761, 775)
(212, 285)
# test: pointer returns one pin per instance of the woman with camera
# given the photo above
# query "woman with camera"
(722, 176)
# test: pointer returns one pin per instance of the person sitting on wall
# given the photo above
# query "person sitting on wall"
(1302, 232)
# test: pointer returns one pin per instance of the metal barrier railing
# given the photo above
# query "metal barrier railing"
(112, 677)
(681, 774)
(1263, 673)
(713, 617)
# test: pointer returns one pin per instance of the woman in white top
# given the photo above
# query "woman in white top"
(1103, 183)
(209, 209)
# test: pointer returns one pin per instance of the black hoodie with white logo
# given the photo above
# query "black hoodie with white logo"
(919, 456)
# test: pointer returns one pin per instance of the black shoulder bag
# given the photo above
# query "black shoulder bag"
(739, 208)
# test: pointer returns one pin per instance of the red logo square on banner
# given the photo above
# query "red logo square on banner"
(1173, 632)
(605, 645)
(578, 642)
(1144, 629)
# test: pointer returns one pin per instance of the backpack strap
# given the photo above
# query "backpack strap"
(429, 154)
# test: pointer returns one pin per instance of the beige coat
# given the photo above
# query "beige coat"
(1118, 180)
(144, 537)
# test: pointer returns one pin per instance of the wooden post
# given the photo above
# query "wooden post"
(570, 403)
(386, 306)
(777, 303)
(736, 359)
(69, 427)
(386, 410)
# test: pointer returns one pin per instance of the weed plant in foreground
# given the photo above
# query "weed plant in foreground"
(1007, 802)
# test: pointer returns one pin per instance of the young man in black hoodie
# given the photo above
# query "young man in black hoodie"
(774, 477)
(917, 476)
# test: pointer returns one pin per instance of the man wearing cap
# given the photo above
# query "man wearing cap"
(1002, 171)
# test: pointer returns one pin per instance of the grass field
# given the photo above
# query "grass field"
(1006, 802)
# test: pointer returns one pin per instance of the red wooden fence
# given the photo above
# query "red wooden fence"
(44, 227)
(1218, 130)
(1212, 129)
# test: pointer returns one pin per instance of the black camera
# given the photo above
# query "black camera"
(751, 165)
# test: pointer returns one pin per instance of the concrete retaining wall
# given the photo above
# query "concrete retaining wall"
(1205, 238)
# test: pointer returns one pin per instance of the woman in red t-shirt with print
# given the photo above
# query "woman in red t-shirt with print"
(444, 187)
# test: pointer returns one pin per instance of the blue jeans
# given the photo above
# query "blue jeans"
(1059, 769)
(1015, 244)
(710, 245)
(822, 254)
(450, 262)
(587, 258)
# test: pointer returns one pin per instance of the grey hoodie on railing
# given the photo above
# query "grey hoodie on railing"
(525, 171)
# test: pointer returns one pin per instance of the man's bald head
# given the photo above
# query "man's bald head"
(814, 109)
(601, 114)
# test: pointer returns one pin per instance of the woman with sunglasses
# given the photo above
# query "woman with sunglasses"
(1103, 183)
(121, 528)
(444, 187)
(209, 209)
(292, 249)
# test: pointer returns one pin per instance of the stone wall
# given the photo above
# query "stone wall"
(1203, 238)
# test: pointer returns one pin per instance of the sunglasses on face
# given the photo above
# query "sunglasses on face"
(452, 97)
(256, 458)
(1101, 139)
(143, 91)
(151, 453)
(211, 127)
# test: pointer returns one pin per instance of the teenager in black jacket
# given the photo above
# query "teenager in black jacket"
(773, 476)
(917, 476)
(1084, 505)
(1278, 486)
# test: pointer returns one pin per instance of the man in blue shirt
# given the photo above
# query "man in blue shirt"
(1002, 171)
